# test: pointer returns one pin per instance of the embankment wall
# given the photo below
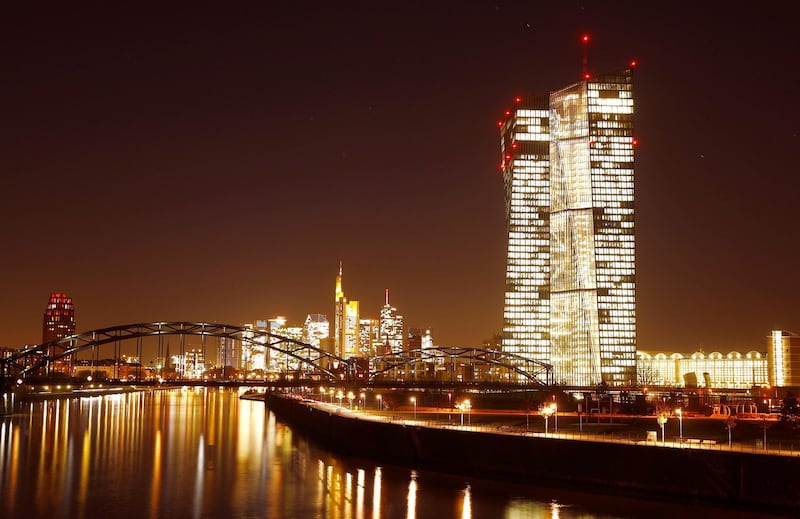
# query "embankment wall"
(736, 478)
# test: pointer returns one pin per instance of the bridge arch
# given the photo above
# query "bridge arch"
(525, 369)
(36, 358)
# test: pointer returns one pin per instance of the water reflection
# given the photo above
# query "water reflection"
(205, 453)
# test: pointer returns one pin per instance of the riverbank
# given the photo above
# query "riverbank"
(742, 479)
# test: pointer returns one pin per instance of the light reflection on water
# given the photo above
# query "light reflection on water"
(205, 453)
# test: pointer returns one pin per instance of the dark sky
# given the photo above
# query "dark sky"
(215, 163)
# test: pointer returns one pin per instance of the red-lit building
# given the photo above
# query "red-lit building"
(59, 322)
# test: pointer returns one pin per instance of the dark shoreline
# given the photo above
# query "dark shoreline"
(740, 480)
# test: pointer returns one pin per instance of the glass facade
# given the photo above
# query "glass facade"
(570, 277)
(713, 370)
(784, 358)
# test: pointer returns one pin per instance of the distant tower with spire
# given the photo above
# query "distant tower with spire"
(346, 322)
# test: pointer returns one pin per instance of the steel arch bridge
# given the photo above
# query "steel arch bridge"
(522, 368)
(318, 362)
(42, 356)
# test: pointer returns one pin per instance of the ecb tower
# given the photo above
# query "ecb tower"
(568, 172)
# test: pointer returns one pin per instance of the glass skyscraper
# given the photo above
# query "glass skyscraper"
(567, 162)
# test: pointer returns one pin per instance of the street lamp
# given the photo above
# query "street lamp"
(468, 406)
(414, 401)
(679, 412)
(546, 411)
(340, 395)
(662, 419)
(580, 415)
(555, 414)
(362, 400)
(321, 394)
(380, 403)
(350, 396)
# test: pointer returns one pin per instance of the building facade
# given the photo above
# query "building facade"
(58, 322)
(346, 323)
(568, 172)
(714, 370)
(315, 328)
(391, 328)
(784, 358)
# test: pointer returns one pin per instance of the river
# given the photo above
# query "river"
(203, 452)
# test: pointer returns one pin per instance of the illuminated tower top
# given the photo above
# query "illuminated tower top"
(339, 292)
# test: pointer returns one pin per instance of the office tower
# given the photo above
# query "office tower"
(346, 338)
(369, 337)
(568, 172)
(391, 328)
(783, 356)
(226, 352)
(58, 322)
(315, 328)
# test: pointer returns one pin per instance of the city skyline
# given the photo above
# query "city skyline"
(216, 166)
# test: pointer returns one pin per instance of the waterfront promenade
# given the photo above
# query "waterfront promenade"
(614, 464)
(703, 433)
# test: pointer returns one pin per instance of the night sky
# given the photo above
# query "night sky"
(215, 163)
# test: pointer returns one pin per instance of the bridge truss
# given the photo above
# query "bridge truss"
(308, 362)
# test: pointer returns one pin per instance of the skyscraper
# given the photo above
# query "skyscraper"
(59, 322)
(568, 172)
(346, 323)
(391, 328)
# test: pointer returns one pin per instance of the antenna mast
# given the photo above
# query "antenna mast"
(585, 40)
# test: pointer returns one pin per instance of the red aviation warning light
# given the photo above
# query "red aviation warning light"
(634, 142)
(499, 124)
(633, 63)
(517, 99)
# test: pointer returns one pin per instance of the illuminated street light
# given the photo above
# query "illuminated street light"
(340, 395)
(414, 401)
(679, 412)
(546, 411)
(468, 406)
(350, 396)
(380, 403)
(362, 400)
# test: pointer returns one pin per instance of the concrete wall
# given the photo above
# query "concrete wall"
(758, 481)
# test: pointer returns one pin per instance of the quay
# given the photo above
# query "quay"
(690, 471)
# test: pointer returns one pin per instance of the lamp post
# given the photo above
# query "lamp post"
(555, 414)
(414, 401)
(350, 396)
(662, 419)
(380, 403)
(679, 412)
(449, 405)
(340, 395)
(362, 400)
(546, 411)
(580, 415)
(321, 394)
(468, 406)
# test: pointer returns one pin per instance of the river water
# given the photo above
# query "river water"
(203, 452)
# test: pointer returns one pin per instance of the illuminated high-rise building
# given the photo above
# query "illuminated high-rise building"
(391, 328)
(59, 322)
(346, 323)
(784, 358)
(568, 171)
(315, 328)
(369, 333)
